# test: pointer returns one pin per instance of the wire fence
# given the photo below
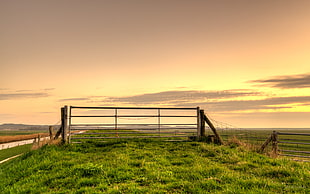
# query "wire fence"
(295, 145)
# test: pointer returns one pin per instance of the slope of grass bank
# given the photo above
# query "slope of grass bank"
(151, 166)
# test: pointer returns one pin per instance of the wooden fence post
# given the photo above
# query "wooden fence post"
(39, 139)
(202, 124)
(51, 130)
(198, 122)
(64, 123)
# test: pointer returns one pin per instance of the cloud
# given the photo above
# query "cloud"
(264, 104)
(74, 99)
(22, 94)
(215, 101)
(46, 112)
(17, 91)
(5, 115)
(49, 89)
(7, 94)
(174, 97)
(263, 119)
(286, 82)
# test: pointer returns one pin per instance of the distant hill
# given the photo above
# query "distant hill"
(13, 126)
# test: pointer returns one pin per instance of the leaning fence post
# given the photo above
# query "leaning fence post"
(265, 144)
(275, 142)
(217, 136)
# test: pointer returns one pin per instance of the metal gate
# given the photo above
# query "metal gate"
(130, 122)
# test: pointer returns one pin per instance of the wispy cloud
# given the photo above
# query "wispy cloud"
(46, 112)
(263, 119)
(74, 99)
(181, 96)
(49, 89)
(20, 94)
(263, 104)
(286, 82)
(215, 101)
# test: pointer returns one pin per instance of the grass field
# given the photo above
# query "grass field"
(12, 138)
(151, 166)
(7, 153)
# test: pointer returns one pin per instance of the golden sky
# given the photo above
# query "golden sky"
(247, 63)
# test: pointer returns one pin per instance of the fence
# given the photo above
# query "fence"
(132, 122)
(296, 145)
(249, 136)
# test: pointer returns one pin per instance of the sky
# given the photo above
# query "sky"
(246, 63)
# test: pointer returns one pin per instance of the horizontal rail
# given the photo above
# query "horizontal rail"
(291, 155)
(138, 133)
(288, 142)
(133, 124)
(295, 151)
(119, 128)
(301, 160)
(143, 124)
(304, 134)
(124, 116)
(297, 139)
(154, 108)
(127, 137)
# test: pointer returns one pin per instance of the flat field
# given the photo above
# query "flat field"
(13, 137)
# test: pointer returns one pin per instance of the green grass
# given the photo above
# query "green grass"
(108, 134)
(151, 166)
(7, 153)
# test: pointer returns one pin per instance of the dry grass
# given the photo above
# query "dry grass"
(235, 142)
(37, 145)
(7, 139)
